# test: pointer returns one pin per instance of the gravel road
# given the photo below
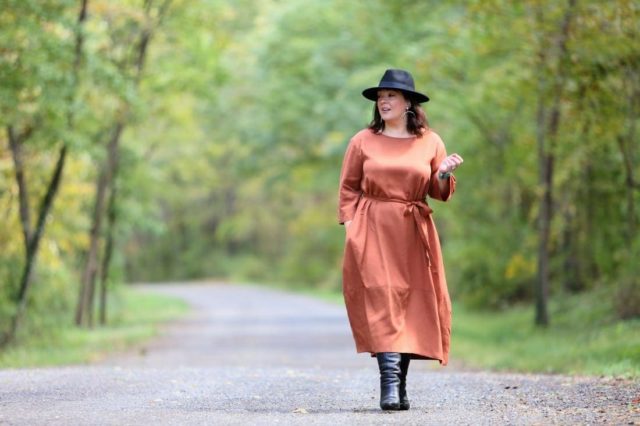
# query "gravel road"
(250, 355)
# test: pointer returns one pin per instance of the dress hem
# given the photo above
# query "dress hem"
(413, 356)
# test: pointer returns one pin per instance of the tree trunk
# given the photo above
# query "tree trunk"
(15, 144)
(108, 251)
(545, 166)
(625, 145)
(546, 135)
(84, 309)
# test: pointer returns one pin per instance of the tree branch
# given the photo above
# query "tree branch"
(15, 143)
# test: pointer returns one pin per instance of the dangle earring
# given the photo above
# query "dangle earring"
(408, 111)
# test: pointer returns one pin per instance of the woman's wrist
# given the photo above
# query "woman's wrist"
(444, 175)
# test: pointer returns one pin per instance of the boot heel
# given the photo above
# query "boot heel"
(404, 369)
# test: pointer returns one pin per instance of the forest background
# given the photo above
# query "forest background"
(159, 140)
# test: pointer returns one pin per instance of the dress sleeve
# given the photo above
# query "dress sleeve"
(350, 181)
(434, 187)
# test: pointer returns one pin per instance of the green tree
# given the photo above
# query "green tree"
(38, 98)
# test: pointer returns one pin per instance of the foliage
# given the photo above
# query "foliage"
(229, 164)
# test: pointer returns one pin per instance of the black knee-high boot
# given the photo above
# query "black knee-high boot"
(389, 364)
(404, 368)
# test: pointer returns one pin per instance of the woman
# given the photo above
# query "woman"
(393, 276)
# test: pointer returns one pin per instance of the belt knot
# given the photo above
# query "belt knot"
(422, 208)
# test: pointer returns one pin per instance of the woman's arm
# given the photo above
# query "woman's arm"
(443, 183)
(350, 181)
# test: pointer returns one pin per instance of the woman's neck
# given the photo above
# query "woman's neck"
(396, 129)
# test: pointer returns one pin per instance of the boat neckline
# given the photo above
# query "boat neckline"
(396, 137)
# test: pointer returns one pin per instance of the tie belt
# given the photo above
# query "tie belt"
(420, 210)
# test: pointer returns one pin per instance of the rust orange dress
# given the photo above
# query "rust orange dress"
(393, 276)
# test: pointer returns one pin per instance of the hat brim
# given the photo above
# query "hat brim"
(372, 92)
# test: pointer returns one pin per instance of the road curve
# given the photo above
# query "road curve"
(252, 355)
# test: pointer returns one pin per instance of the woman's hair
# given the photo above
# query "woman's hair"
(417, 122)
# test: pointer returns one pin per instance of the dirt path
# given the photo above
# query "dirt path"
(248, 355)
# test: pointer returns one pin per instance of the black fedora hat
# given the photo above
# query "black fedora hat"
(396, 80)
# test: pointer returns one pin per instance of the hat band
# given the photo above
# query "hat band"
(394, 85)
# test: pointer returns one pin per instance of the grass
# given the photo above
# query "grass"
(583, 338)
(572, 344)
(134, 318)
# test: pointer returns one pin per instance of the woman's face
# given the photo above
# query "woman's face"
(391, 104)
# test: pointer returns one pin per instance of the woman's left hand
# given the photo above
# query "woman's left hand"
(450, 163)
